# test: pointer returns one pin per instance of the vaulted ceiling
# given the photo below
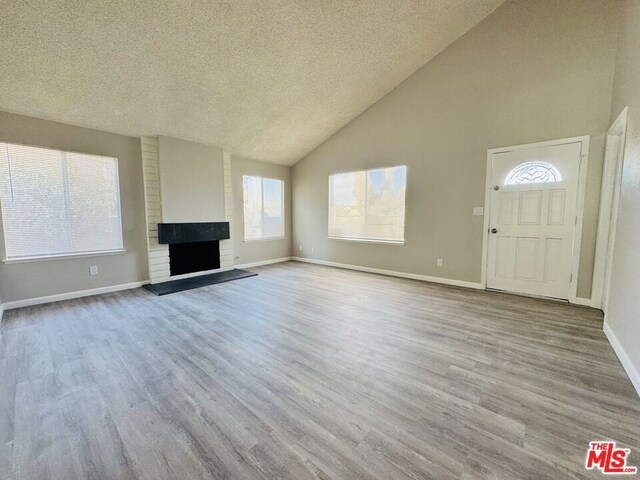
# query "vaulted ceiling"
(269, 80)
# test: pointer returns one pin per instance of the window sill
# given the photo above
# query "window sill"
(65, 256)
(264, 239)
(397, 243)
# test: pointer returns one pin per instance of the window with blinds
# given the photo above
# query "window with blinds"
(263, 207)
(57, 203)
(368, 205)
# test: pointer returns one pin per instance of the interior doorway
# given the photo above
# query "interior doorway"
(609, 201)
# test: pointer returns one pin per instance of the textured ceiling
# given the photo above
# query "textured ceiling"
(268, 80)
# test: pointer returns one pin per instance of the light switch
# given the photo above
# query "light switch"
(478, 211)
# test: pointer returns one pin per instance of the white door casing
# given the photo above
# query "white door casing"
(609, 200)
(535, 212)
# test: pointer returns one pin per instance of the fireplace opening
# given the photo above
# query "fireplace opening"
(192, 257)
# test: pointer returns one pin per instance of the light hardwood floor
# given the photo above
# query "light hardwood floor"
(309, 372)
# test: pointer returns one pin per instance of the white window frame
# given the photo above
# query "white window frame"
(90, 253)
(378, 241)
(284, 227)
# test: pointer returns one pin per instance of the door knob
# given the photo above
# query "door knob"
(496, 187)
(494, 230)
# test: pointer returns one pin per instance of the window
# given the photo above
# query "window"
(263, 207)
(58, 203)
(533, 172)
(368, 205)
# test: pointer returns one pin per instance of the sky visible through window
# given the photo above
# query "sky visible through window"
(345, 191)
(368, 204)
(263, 207)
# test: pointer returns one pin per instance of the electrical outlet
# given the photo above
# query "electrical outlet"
(478, 211)
(300, 247)
(313, 249)
(440, 262)
(93, 270)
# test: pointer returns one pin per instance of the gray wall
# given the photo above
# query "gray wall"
(258, 250)
(533, 70)
(191, 181)
(41, 278)
(624, 303)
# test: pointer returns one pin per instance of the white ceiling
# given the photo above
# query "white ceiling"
(268, 80)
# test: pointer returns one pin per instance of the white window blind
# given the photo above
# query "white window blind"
(263, 207)
(58, 203)
(368, 205)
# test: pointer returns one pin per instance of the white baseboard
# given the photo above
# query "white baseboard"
(632, 371)
(68, 296)
(115, 288)
(585, 302)
(28, 302)
(392, 273)
(263, 262)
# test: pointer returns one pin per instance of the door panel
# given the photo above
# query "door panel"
(533, 206)
(526, 258)
(530, 203)
(504, 253)
(505, 207)
(556, 207)
(552, 260)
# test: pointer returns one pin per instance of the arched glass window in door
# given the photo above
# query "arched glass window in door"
(533, 172)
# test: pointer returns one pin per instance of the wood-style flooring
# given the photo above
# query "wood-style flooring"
(309, 372)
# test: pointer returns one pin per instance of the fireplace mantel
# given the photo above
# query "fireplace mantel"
(170, 233)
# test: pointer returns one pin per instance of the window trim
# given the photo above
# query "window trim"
(284, 208)
(396, 243)
(62, 256)
(264, 239)
(368, 240)
(59, 256)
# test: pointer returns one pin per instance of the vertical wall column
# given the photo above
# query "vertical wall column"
(159, 270)
(227, 259)
(158, 254)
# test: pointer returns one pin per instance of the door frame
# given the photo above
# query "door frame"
(583, 140)
(609, 202)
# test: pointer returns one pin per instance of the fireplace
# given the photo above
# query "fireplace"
(193, 247)
(193, 257)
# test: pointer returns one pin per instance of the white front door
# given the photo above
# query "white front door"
(532, 219)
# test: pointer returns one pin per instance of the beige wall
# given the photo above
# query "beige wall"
(258, 250)
(42, 278)
(533, 70)
(191, 181)
(624, 302)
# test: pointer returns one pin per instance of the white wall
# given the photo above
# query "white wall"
(623, 307)
(191, 181)
(533, 70)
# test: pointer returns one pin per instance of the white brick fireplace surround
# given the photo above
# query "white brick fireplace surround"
(158, 253)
